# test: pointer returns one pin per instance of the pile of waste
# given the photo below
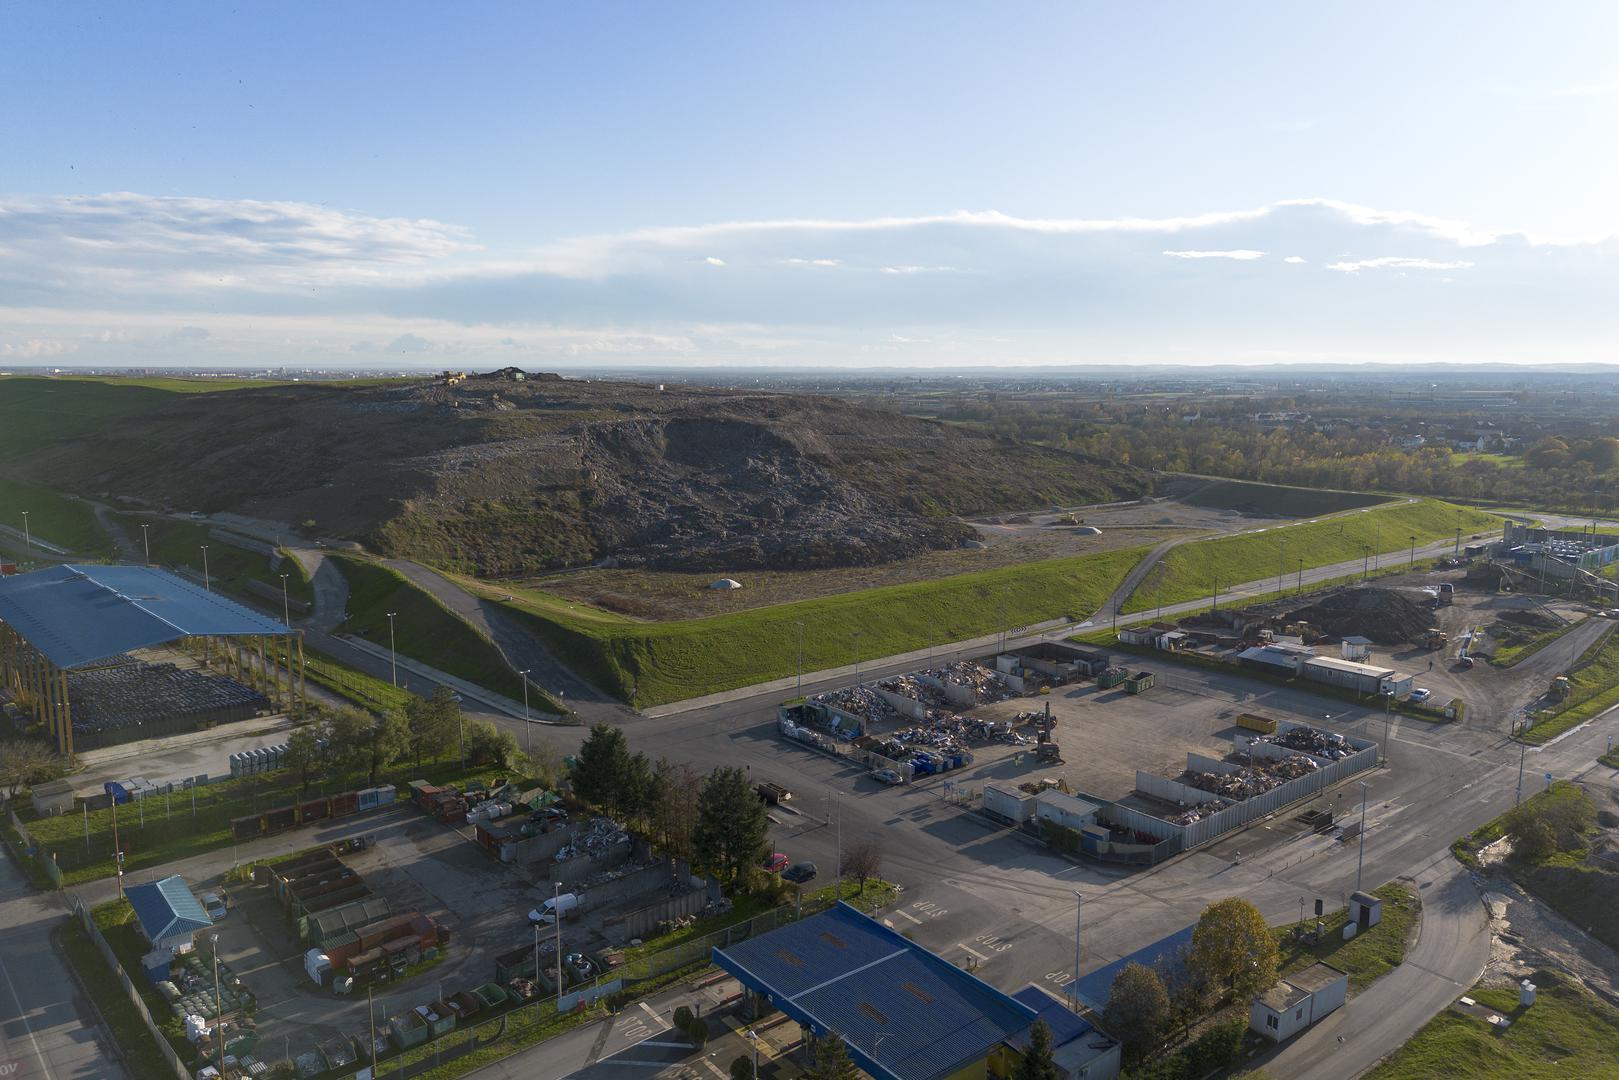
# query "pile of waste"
(594, 837)
(1316, 743)
(1289, 768)
(1237, 786)
(1190, 814)
(858, 701)
(906, 686)
(984, 684)
(1386, 616)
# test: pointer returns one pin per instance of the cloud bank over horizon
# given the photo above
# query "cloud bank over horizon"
(141, 280)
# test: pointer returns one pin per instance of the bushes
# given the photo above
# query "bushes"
(1557, 821)
(1214, 1049)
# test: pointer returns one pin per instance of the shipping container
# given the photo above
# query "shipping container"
(1111, 677)
(345, 804)
(245, 828)
(408, 1030)
(280, 819)
(314, 810)
(386, 795)
(339, 947)
(440, 1018)
(1256, 723)
(1139, 682)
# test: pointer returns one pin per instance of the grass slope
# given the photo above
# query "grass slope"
(179, 544)
(1509, 654)
(426, 630)
(1190, 571)
(1277, 500)
(1366, 957)
(1593, 688)
(1566, 1033)
(52, 517)
(35, 411)
(672, 661)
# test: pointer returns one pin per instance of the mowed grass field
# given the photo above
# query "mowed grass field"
(53, 517)
(426, 630)
(1277, 500)
(1189, 572)
(672, 661)
(1566, 1033)
(1593, 688)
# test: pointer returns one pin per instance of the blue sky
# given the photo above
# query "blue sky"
(837, 184)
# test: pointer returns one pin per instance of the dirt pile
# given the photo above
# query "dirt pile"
(1386, 616)
(505, 477)
(1530, 617)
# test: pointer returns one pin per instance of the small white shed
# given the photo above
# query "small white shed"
(1365, 910)
(1298, 1001)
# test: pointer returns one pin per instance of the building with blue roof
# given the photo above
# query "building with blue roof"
(74, 618)
(168, 916)
(904, 1012)
(1166, 954)
(1080, 1049)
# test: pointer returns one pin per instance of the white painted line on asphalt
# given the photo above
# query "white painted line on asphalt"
(657, 1022)
(715, 1069)
(26, 1026)
(912, 918)
(975, 952)
(651, 1042)
(637, 1064)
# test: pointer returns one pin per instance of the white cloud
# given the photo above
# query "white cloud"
(811, 262)
(919, 269)
(1396, 262)
(409, 343)
(713, 261)
(35, 349)
(1294, 259)
(1240, 254)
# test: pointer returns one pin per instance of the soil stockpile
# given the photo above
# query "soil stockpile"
(1385, 616)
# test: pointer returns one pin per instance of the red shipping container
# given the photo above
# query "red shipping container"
(341, 947)
(314, 810)
(345, 804)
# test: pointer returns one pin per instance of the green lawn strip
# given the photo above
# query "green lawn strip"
(116, 921)
(742, 909)
(1566, 1033)
(53, 517)
(1279, 500)
(175, 834)
(1510, 654)
(672, 661)
(1593, 688)
(140, 1051)
(1190, 571)
(1506, 461)
(1367, 956)
(352, 684)
(1610, 760)
(176, 544)
(426, 630)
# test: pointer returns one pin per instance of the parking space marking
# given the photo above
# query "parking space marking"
(715, 1069)
(973, 951)
(906, 915)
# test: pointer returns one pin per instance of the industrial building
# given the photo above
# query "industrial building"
(1080, 1049)
(1300, 661)
(169, 917)
(1298, 1001)
(82, 622)
(904, 1013)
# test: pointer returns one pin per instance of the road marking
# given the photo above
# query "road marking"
(638, 1064)
(651, 1042)
(658, 1024)
(973, 951)
(715, 1069)
(912, 918)
(23, 1016)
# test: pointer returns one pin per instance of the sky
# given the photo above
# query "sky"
(562, 185)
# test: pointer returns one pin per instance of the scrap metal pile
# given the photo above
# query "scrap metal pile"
(983, 683)
(595, 837)
(858, 701)
(1255, 777)
(1316, 743)
(906, 686)
(1188, 815)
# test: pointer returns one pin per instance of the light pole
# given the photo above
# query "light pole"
(286, 612)
(146, 543)
(1360, 860)
(1079, 907)
(27, 538)
(556, 914)
(1388, 719)
(219, 1007)
(207, 582)
(857, 657)
(753, 1037)
(1299, 589)
(1523, 750)
(526, 725)
(536, 971)
(393, 654)
(1413, 551)
(1365, 562)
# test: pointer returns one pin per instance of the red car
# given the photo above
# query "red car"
(776, 863)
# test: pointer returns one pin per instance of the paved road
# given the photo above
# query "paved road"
(41, 1030)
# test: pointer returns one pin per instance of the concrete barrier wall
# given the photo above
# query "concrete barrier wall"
(544, 847)
(643, 923)
(582, 867)
(1204, 763)
(960, 696)
(1016, 682)
(658, 877)
(905, 706)
(1162, 787)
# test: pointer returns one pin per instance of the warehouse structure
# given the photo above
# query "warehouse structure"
(83, 621)
(904, 1013)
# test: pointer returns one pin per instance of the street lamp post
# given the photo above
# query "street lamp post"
(146, 543)
(556, 915)
(1413, 551)
(27, 537)
(1079, 907)
(857, 657)
(536, 971)
(1360, 860)
(393, 654)
(219, 1007)
(286, 612)
(753, 1037)
(207, 582)
(1523, 750)
(527, 727)
(800, 690)
(1300, 588)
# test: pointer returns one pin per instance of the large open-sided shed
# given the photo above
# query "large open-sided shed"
(74, 618)
(905, 1013)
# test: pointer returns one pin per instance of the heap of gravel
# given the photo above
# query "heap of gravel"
(1386, 616)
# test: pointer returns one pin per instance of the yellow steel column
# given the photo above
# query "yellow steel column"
(67, 721)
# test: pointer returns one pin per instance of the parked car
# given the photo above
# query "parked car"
(886, 776)
(214, 903)
(776, 863)
(1421, 693)
(799, 873)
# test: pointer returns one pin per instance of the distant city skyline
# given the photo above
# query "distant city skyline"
(915, 185)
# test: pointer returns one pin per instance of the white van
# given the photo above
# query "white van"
(555, 906)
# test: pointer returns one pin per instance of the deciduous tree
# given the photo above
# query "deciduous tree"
(1137, 1010)
(862, 860)
(1233, 947)
(25, 762)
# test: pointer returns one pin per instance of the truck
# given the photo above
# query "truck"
(772, 793)
(1560, 687)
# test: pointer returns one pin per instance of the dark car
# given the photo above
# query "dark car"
(798, 873)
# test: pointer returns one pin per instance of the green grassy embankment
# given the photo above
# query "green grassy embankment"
(426, 630)
(1191, 571)
(1593, 688)
(1511, 653)
(1367, 956)
(672, 661)
(54, 518)
(1278, 500)
(1566, 1033)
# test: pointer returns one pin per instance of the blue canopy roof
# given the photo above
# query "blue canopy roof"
(1065, 1024)
(79, 615)
(905, 1013)
(167, 908)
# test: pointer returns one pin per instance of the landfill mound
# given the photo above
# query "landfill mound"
(1385, 616)
(1530, 617)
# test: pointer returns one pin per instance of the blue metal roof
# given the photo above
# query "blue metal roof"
(905, 1013)
(166, 908)
(1095, 987)
(1065, 1024)
(79, 615)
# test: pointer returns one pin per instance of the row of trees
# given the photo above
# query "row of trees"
(1232, 953)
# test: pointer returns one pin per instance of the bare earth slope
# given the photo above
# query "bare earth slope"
(500, 477)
